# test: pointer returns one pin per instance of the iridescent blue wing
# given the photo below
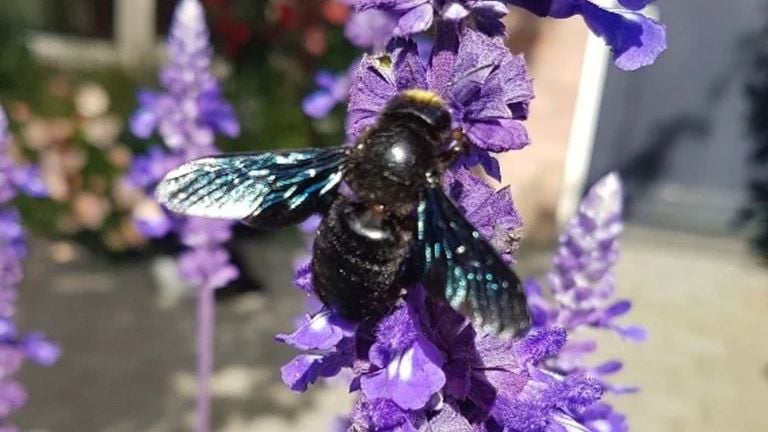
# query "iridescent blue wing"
(455, 260)
(263, 189)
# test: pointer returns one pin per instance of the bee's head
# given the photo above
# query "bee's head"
(422, 104)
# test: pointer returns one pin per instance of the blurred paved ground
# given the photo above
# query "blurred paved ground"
(128, 359)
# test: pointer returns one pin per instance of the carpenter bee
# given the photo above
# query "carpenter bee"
(395, 227)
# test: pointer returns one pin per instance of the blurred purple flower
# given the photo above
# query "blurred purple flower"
(582, 279)
(635, 39)
(149, 168)
(371, 28)
(332, 90)
(187, 116)
(15, 177)
(207, 267)
(192, 110)
(15, 348)
(581, 284)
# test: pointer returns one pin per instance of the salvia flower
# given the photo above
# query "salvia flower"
(424, 366)
(191, 110)
(581, 284)
(635, 39)
(15, 348)
(187, 115)
(486, 87)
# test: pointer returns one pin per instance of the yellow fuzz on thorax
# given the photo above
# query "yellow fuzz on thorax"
(424, 97)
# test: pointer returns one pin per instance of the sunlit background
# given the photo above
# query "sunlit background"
(684, 135)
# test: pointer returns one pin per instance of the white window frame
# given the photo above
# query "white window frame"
(134, 41)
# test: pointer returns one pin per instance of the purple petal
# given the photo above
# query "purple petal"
(633, 333)
(415, 21)
(410, 379)
(635, 4)
(499, 135)
(143, 123)
(395, 333)
(318, 104)
(617, 309)
(27, 178)
(373, 87)
(380, 415)
(609, 367)
(321, 332)
(157, 226)
(302, 371)
(370, 29)
(40, 350)
(635, 39)
(305, 369)
(410, 71)
(7, 329)
(303, 278)
(450, 420)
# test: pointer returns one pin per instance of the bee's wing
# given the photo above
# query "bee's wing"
(453, 256)
(261, 188)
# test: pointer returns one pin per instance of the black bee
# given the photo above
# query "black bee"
(399, 227)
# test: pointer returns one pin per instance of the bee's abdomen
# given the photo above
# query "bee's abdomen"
(356, 262)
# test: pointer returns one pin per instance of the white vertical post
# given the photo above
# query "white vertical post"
(135, 36)
(583, 127)
(597, 57)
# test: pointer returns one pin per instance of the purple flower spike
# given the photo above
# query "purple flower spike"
(191, 110)
(15, 347)
(410, 379)
(582, 285)
(187, 115)
(635, 39)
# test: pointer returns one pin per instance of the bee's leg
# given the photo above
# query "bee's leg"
(455, 149)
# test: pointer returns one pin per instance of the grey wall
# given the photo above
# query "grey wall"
(676, 130)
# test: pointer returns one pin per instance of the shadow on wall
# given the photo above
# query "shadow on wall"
(755, 212)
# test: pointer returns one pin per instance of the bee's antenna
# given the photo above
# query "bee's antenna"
(470, 73)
